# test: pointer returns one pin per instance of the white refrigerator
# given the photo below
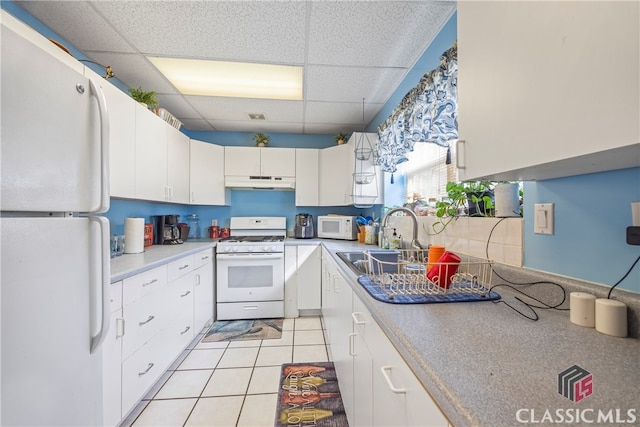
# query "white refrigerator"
(55, 252)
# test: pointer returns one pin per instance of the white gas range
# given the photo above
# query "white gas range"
(250, 269)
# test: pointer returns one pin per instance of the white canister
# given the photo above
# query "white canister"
(582, 309)
(507, 200)
(611, 317)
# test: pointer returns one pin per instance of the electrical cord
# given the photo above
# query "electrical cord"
(512, 285)
(544, 304)
(623, 277)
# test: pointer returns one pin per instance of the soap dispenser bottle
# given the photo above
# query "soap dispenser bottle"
(394, 242)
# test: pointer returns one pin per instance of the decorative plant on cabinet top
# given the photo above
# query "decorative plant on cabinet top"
(261, 139)
(144, 97)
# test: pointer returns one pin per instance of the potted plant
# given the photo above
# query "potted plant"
(474, 198)
(341, 138)
(147, 98)
(261, 139)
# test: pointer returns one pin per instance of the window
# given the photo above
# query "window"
(427, 172)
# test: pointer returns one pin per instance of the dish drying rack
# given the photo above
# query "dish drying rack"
(407, 275)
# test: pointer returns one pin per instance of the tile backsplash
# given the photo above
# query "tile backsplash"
(469, 236)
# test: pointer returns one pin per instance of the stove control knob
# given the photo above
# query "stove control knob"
(249, 248)
(234, 249)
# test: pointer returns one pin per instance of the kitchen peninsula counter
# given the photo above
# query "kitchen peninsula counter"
(486, 365)
(128, 265)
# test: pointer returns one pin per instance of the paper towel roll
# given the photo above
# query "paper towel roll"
(582, 309)
(611, 317)
(133, 235)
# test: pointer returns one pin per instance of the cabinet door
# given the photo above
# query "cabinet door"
(207, 174)
(398, 397)
(309, 275)
(307, 176)
(336, 167)
(242, 161)
(203, 298)
(290, 282)
(112, 370)
(278, 162)
(362, 381)
(177, 165)
(122, 138)
(151, 156)
(530, 107)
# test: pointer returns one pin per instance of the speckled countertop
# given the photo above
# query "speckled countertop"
(482, 363)
(485, 365)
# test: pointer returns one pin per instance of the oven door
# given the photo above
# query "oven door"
(250, 277)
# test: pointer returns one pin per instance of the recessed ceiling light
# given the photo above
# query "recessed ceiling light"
(257, 116)
(232, 79)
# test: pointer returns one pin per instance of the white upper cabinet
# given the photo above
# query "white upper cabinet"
(122, 134)
(307, 176)
(177, 165)
(207, 174)
(336, 167)
(151, 156)
(258, 161)
(547, 89)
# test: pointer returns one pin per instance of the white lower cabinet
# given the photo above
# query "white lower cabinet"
(203, 300)
(378, 388)
(112, 361)
(303, 269)
(156, 315)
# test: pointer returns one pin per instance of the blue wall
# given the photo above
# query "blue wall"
(591, 215)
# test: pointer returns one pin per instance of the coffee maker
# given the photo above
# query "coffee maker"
(166, 230)
(304, 226)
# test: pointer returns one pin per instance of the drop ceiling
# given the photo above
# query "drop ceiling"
(350, 51)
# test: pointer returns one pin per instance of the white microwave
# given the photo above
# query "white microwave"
(337, 227)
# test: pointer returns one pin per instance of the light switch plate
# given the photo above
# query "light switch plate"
(543, 218)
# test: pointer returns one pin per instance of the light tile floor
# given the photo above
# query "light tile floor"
(229, 383)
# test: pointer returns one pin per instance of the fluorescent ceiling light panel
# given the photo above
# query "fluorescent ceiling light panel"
(232, 79)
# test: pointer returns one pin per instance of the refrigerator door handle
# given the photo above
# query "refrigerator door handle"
(105, 282)
(104, 147)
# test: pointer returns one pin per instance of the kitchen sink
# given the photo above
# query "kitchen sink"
(358, 262)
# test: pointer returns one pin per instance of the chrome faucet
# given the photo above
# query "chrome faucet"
(414, 242)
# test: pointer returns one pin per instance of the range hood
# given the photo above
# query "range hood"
(260, 182)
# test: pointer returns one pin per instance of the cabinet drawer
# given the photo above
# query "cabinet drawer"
(143, 284)
(202, 258)
(116, 296)
(180, 267)
(144, 318)
(143, 368)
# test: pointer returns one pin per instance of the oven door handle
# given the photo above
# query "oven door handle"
(253, 256)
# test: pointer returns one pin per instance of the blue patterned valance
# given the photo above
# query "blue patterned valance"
(428, 113)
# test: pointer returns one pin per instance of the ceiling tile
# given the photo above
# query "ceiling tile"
(246, 126)
(197, 124)
(340, 113)
(373, 33)
(178, 106)
(266, 31)
(219, 108)
(352, 84)
(78, 23)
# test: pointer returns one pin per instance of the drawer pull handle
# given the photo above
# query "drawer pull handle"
(351, 352)
(183, 267)
(149, 319)
(355, 318)
(185, 294)
(149, 283)
(393, 388)
(147, 370)
(185, 331)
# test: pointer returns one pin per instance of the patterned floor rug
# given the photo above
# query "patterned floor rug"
(309, 395)
(239, 330)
